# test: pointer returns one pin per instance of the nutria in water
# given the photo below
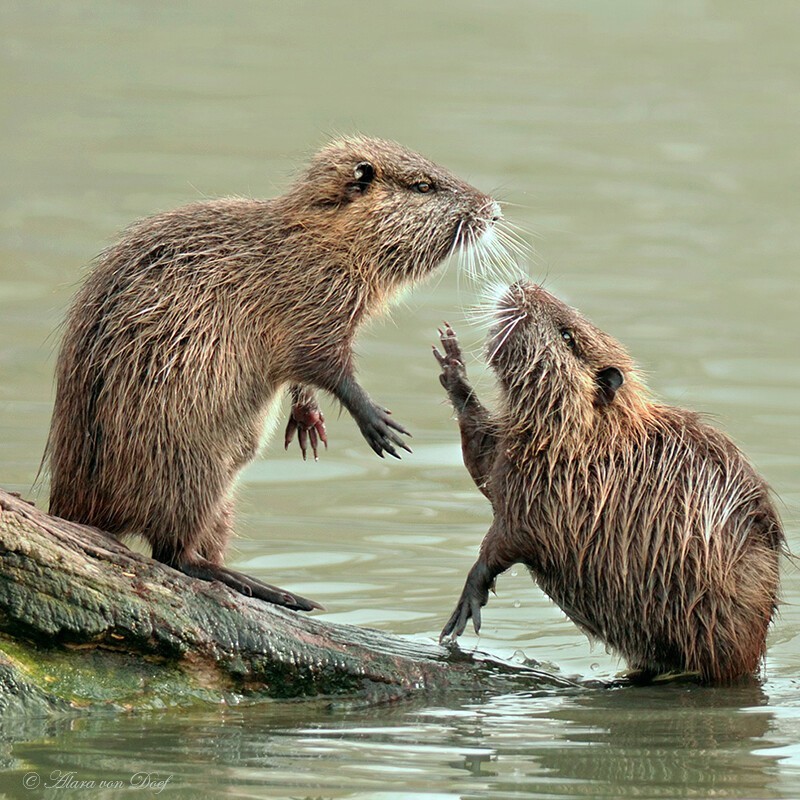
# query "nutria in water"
(646, 525)
(196, 320)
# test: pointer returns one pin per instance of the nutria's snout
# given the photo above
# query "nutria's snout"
(479, 227)
(488, 244)
(520, 296)
(491, 214)
(512, 309)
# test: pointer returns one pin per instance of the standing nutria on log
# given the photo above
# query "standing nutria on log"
(647, 526)
(190, 327)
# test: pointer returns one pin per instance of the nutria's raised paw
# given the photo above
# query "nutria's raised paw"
(307, 421)
(454, 374)
(474, 596)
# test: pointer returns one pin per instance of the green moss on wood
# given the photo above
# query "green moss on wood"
(87, 623)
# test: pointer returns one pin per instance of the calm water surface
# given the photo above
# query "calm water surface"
(649, 151)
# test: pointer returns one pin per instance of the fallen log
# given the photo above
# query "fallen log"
(86, 622)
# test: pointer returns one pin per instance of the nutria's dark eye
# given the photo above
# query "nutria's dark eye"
(423, 187)
(567, 336)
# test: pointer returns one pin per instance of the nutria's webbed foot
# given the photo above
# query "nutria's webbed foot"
(307, 421)
(474, 596)
(207, 571)
(454, 374)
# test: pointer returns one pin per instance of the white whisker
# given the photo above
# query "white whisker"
(508, 329)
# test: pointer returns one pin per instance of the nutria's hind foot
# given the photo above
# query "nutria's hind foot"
(307, 421)
(474, 596)
(206, 571)
(647, 677)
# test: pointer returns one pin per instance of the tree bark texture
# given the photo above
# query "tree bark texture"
(86, 622)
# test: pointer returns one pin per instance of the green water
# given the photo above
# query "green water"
(651, 152)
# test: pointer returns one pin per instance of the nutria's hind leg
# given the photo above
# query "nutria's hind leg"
(214, 541)
(204, 561)
(199, 567)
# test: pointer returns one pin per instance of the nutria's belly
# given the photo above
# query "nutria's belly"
(639, 627)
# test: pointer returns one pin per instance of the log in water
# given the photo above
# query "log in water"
(86, 621)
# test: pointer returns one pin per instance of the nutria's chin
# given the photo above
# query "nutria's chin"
(194, 322)
(647, 526)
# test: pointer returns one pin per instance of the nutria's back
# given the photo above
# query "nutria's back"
(645, 524)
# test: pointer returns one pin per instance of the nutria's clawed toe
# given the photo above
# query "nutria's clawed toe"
(307, 421)
(474, 596)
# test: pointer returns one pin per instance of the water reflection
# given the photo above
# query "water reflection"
(666, 741)
(671, 741)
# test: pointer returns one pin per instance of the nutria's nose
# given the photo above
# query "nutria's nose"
(496, 211)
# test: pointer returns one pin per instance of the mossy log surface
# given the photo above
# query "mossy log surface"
(86, 622)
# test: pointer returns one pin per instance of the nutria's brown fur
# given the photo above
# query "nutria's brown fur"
(192, 324)
(648, 527)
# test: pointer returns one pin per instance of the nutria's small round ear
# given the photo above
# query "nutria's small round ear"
(363, 174)
(608, 381)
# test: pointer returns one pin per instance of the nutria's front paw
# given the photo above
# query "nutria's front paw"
(307, 421)
(378, 428)
(474, 596)
(454, 374)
